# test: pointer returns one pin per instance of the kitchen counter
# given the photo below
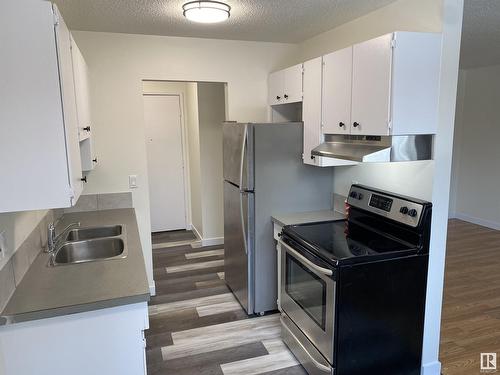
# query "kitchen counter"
(68, 289)
(306, 217)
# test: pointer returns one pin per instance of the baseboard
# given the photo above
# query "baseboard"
(475, 220)
(212, 241)
(195, 231)
(433, 368)
(189, 227)
(152, 289)
(206, 241)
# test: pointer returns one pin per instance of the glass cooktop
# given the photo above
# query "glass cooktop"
(342, 241)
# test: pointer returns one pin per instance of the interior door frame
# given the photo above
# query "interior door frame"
(185, 155)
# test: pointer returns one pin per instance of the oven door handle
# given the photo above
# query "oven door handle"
(316, 364)
(303, 259)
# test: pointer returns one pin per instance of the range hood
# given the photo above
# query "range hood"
(369, 148)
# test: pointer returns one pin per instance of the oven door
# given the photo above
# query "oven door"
(308, 298)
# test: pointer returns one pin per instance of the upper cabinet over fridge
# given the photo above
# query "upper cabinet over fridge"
(285, 86)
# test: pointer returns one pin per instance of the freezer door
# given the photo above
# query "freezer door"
(238, 155)
(238, 244)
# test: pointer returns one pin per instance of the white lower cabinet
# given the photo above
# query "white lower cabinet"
(39, 145)
(106, 341)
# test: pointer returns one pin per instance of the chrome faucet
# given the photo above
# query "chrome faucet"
(53, 240)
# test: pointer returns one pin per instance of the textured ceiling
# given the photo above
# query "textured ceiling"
(481, 34)
(289, 21)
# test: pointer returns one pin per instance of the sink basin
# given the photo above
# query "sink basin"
(80, 234)
(90, 250)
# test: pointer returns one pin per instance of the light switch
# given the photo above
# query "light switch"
(132, 181)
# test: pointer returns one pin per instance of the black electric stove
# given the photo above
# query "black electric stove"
(343, 242)
(353, 291)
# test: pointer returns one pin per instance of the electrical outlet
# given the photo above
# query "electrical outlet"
(132, 181)
(2, 244)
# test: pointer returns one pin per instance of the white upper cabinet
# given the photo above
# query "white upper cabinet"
(285, 86)
(81, 75)
(311, 116)
(336, 94)
(371, 86)
(276, 88)
(82, 94)
(39, 148)
(293, 84)
(385, 86)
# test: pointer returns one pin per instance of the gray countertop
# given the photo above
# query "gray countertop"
(306, 217)
(53, 291)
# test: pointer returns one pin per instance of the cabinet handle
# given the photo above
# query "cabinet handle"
(313, 157)
(355, 124)
(84, 179)
(94, 160)
(87, 128)
(286, 96)
(341, 124)
(278, 97)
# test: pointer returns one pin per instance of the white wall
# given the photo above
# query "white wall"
(427, 179)
(477, 154)
(118, 64)
(211, 108)
(194, 157)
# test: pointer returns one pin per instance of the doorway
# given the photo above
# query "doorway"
(167, 185)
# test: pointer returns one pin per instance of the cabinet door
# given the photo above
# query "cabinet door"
(311, 109)
(293, 84)
(81, 91)
(337, 84)
(371, 86)
(63, 38)
(276, 88)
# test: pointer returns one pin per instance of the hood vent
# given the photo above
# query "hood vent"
(369, 148)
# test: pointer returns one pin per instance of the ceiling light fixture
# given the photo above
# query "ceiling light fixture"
(206, 11)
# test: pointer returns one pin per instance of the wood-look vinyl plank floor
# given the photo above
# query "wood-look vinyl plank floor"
(471, 306)
(197, 325)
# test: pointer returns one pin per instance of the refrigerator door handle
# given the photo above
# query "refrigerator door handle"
(242, 160)
(243, 225)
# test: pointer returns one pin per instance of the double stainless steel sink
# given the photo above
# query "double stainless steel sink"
(82, 245)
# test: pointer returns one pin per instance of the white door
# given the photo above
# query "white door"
(293, 84)
(371, 86)
(336, 100)
(162, 118)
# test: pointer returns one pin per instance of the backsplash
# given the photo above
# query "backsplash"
(15, 268)
(339, 203)
(98, 202)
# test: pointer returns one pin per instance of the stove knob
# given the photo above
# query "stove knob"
(404, 210)
(353, 195)
(360, 196)
(412, 213)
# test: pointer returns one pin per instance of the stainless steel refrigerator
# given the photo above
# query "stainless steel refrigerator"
(264, 175)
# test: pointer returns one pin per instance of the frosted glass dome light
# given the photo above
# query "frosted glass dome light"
(206, 11)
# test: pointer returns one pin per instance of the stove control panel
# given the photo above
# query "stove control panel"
(394, 207)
